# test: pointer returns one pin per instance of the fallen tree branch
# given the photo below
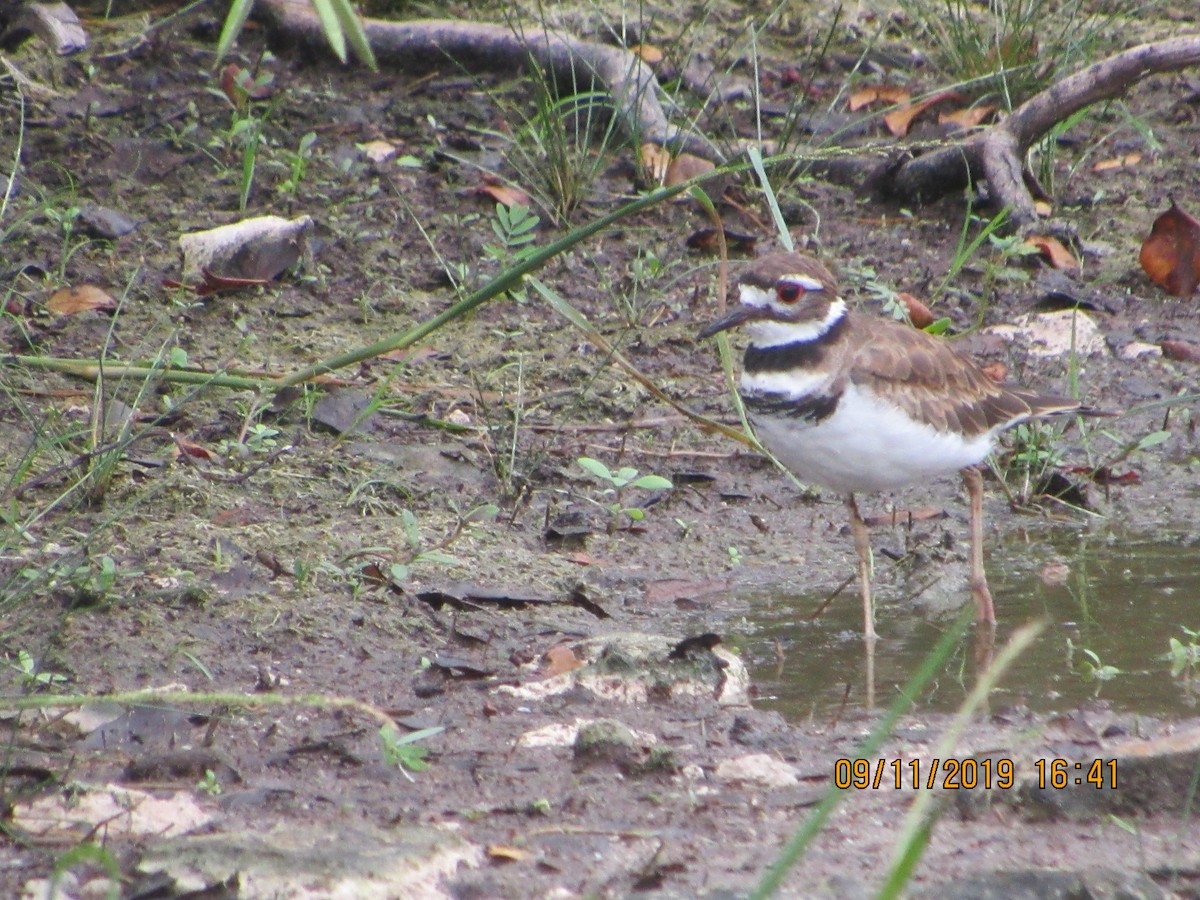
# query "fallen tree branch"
(998, 154)
(424, 42)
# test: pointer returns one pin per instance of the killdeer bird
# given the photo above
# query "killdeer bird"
(861, 403)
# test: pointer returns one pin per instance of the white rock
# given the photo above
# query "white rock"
(1138, 349)
(761, 768)
(121, 811)
(1053, 333)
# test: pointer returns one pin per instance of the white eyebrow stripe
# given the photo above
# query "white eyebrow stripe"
(805, 281)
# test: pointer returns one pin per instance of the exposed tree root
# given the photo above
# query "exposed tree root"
(998, 154)
(474, 45)
(995, 155)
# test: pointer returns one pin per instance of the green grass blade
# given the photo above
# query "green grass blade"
(811, 827)
(785, 236)
(914, 834)
(331, 24)
(352, 27)
(239, 11)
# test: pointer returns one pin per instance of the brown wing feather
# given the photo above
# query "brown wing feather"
(935, 384)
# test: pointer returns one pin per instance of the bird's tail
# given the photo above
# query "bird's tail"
(1049, 405)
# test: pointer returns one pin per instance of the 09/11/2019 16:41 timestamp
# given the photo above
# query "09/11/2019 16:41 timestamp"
(969, 774)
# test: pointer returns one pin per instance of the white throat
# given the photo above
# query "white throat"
(770, 333)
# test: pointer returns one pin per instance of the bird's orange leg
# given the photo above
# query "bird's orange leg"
(862, 544)
(985, 612)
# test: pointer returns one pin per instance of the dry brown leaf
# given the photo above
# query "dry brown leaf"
(191, 448)
(504, 853)
(239, 85)
(706, 240)
(899, 121)
(1171, 254)
(1182, 351)
(505, 194)
(648, 53)
(1052, 248)
(918, 313)
(1105, 475)
(81, 298)
(655, 162)
(378, 151)
(1128, 161)
(686, 166)
(582, 558)
(211, 283)
(886, 92)
(970, 117)
(561, 659)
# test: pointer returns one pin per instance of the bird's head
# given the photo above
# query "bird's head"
(785, 298)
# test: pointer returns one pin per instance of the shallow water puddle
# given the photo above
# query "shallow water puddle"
(1122, 598)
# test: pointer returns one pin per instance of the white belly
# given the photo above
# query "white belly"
(867, 445)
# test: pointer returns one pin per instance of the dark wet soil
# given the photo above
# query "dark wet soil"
(427, 563)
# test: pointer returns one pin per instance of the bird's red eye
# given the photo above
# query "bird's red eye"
(789, 292)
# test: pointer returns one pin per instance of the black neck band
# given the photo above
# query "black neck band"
(796, 355)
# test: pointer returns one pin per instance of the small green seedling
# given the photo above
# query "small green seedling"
(1093, 669)
(29, 673)
(402, 751)
(417, 551)
(1185, 658)
(90, 582)
(210, 784)
(625, 477)
(297, 162)
(1033, 455)
(259, 438)
(514, 227)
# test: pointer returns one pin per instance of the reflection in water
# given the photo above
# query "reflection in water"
(1120, 603)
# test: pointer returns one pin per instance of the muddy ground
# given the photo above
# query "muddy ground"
(427, 563)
